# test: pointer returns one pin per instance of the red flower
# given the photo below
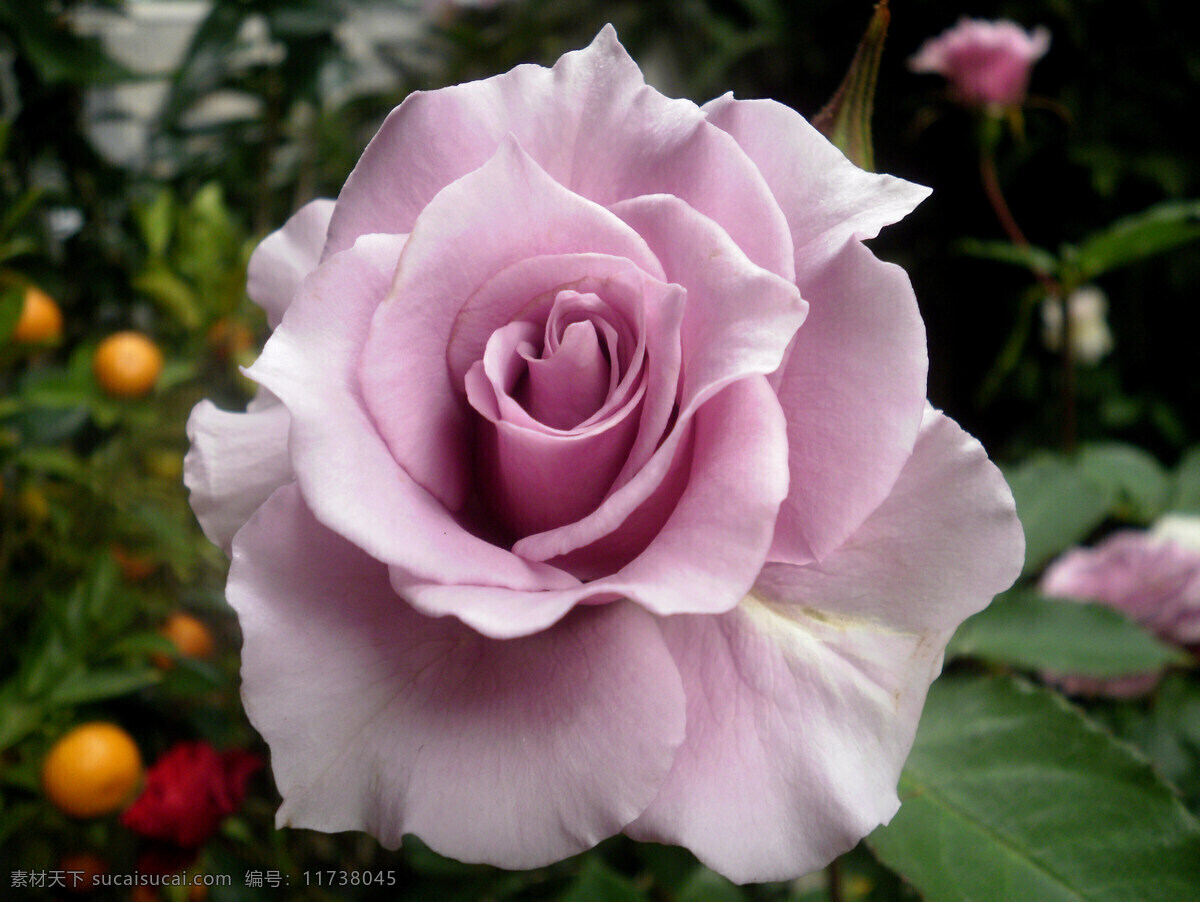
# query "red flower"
(188, 791)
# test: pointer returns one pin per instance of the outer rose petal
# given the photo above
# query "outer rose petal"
(941, 546)
(854, 384)
(827, 200)
(797, 730)
(803, 702)
(280, 263)
(591, 122)
(237, 460)
(514, 753)
(739, 318)
(853, 389)
(234, 464)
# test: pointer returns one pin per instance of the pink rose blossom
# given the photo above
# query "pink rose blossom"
(985, 62)
(591, 487)
(1153, 580)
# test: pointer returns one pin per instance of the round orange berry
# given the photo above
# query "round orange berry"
(92, 770)
(188, 634)
(127, 364)
(41, 320)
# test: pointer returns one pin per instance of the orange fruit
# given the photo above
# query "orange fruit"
(81, 869)
(230, 338)
(127, 364)
(92, 770)
(41, 321)
(133, 567)
(189, 635)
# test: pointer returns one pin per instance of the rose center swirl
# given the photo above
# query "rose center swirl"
(557, 404)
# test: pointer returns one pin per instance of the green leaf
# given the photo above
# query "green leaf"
(18, 210)
(1010, 793)
(97, 685)
(707, 886)
(846, 119)
(171, 293)
(142, 644)
(669, 866)
(1139, 485)
(1186, 496)
(16, 817)
(17, 720)
(1029, 257)
(12, 302)
(40, 426)
(598, 881)
(55, 51)
(1168, 731)
(204, 62)
(1058, 506)
(17, 247)
(156, 222)
(1154, 231)
(55, 461)
(1023, 629)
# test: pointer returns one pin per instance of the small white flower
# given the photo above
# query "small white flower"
(1091, 338)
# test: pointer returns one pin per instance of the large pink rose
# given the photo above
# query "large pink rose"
(592, 487)
(984, 62)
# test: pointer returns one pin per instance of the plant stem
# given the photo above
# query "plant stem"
(995, 196)
(835, 880)
(1053, 288)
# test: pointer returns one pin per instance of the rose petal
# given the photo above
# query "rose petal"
(348, 478)
(644, 312)
(828, 201)
(512, 753)
(569, 385)
(528, 290)
(282, 260)
(533, 479)
(739, 317)
(235, 462)
(854, 383)
(723, 337)
(703, 558)
(510, 355)
(803, 702)
(854, 389)
(591, 122)
(945, 541)
(460, 241)
(797, 728)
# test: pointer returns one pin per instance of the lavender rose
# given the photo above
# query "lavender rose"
(1149, 576)
(984, 62)
(591, 486)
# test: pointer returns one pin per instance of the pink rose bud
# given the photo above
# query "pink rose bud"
(986, 63)
(592, 487)
(1152, 579)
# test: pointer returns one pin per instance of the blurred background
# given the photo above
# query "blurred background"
(145, 148)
